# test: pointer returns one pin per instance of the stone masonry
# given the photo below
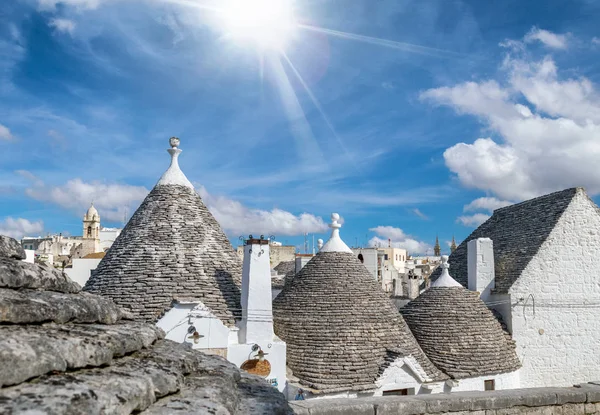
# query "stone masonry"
(580, 400)
(67, 352)
(172, 247)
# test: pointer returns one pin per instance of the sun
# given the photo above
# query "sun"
(268, 23)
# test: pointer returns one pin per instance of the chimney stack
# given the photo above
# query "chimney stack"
(480, 260)
(257, 314)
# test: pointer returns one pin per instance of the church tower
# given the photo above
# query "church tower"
(436, 248)
(91, 232)
(453, 245)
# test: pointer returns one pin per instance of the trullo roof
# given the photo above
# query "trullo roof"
(172, 247)
(339, 325)
(458, 332)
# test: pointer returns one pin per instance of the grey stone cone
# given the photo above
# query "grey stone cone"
(340, 326)
(63, 351)
(172, 247)
(459, 334)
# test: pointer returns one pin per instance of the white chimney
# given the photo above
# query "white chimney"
(480, 262)
(257, 313)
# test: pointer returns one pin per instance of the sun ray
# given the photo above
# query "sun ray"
(316, 103)
(307, 146)
(408, 47)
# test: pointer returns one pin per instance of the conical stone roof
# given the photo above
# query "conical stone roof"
(458, 332)
(339, 325)
(172, 247)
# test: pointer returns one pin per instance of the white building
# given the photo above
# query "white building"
(59, 249)
(538, 264)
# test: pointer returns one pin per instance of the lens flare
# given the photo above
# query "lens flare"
(269, 23)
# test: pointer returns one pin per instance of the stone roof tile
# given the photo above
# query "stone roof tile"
(459, 334)
(338, 325)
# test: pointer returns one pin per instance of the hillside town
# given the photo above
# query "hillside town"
(296, 207)
(490, 317)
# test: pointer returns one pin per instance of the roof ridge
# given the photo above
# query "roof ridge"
(533, 200)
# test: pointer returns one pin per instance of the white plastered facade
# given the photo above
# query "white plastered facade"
(559, 343)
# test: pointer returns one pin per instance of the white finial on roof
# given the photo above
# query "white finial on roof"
(335, 243)
(174, 175)
(319, 243)
(445, 280)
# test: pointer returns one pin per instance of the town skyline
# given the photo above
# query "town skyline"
(420, 134)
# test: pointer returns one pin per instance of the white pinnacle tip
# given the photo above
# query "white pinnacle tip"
(335, 243)
(335, 217)
(445, 264)
(445, 280)
(174, 175)
(174, 142)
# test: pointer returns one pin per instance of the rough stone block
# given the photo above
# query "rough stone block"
(573, 409)
(441, 403)
(591, 408)
(537, 397)
(10, 248)
(570, 395)
(339, 407)
(399, 405)
(299, 409)
(19, 274)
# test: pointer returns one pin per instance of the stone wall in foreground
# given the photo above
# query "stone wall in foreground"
(579, 400)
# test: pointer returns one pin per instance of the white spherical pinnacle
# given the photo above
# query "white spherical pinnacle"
(174, 175)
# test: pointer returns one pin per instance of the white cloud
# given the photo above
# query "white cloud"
(5, 133)
(239, 219)
(595, 40)
(398, 240)
(473, 220)
(486, 203)
(63, 25)
(549, 39)
(548, 127)
(420, 214)
(112, 200)
(19, 227)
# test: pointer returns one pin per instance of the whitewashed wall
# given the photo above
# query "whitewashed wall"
(29, 256)
(559, 344)
(400, 376)
(82, 269)
(176, 321)
(239, 353)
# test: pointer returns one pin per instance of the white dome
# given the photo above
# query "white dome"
(91, 212)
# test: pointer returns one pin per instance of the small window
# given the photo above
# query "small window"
(361, 259)
(489, 385)
(385, 256)
(396, 392)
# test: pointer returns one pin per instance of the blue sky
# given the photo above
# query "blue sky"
(460, 107)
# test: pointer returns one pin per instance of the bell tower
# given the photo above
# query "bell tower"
(91, 231)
